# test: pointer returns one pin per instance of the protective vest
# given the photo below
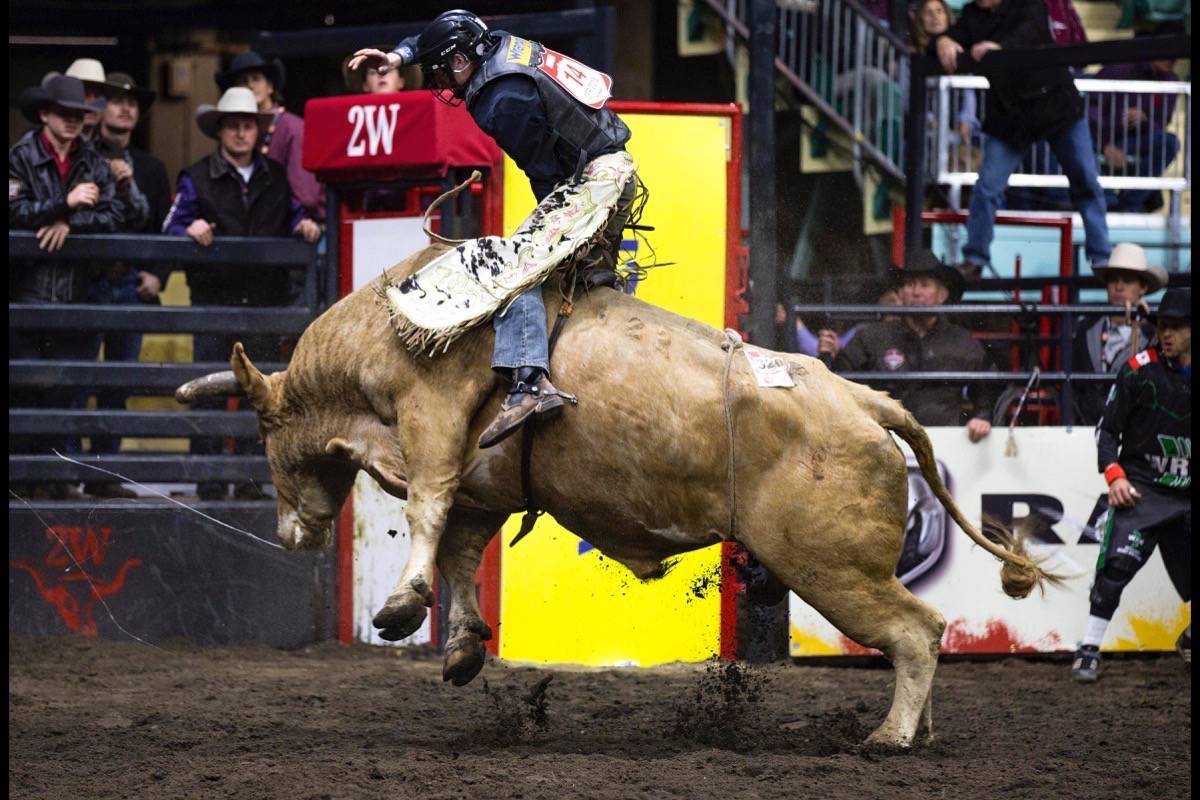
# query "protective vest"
(575, 95)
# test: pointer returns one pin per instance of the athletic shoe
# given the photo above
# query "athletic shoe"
(1086, 668)
(1183, 645)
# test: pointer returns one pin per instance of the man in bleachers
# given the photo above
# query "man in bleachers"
(1108, 343)
(235, 191)
(1131, 129)
(913, 343)
(1024, 106)
(57, 185)
(143, 187)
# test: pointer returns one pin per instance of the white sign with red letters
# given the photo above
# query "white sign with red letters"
(588, 86)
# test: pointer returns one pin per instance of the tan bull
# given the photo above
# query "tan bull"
(640, 469)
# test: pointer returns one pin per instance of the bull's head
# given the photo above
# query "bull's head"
(312, 471)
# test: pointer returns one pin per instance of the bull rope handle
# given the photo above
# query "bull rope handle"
(475, 175)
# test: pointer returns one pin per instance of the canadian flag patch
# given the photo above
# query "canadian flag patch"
(1143, 358)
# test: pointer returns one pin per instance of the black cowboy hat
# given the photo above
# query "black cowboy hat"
(924, 262)
(59, 90)
(120, 83)
(250, 60)
(1175, 304)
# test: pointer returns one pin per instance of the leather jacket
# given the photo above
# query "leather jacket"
(38, 197)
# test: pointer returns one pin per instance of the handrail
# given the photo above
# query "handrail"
(983, 309)
(253, 251)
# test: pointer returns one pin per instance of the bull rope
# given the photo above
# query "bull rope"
(475, 175)
(732, 343)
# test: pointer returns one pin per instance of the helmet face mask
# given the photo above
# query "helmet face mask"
(452, 32)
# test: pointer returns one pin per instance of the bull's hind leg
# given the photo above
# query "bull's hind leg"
(467, 533)
(866, 602)
(879, 612)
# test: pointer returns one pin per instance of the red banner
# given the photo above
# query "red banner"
(379, 137)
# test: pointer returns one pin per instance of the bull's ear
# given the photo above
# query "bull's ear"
(253, 383)
(341, 448)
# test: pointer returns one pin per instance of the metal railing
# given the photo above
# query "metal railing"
(951, 160)
(1058, 369)
(848, 65)
(150, 379)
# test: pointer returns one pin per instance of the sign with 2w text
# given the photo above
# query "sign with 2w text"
(379, 137)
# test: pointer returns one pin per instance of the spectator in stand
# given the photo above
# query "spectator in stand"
(236, 191)
(927, 344)
(57, 185)
(283, 139)
(143, 188)
(1108, 343)
(932, 19)
(1134, 137)
(91, 72)
(826, 343)
(1023, 106)
(1144, 449)
(371, 81)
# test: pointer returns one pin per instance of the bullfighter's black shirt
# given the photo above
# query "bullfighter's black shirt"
(1147, 422)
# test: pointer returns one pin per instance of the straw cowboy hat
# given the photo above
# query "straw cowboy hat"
(411, 75)
(120, 83)
(926, 263)
(88, 70)
(60, 90)
(1132, 258)
(236, 100)
(250, 60)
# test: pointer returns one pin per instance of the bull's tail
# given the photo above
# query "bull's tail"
(1020, 574)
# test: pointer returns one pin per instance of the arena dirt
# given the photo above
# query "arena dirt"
(99, 719)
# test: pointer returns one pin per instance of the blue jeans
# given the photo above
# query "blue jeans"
(118, 346)
(521, 339)
(1073, 148)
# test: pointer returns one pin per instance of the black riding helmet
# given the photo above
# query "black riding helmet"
(452, 32)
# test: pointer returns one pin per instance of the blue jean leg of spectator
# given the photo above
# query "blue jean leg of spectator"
(999, 162)
(521, 333)
(1073, 149)
(118, 346)
(72, 345)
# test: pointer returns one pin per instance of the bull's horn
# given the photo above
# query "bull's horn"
(218, 384)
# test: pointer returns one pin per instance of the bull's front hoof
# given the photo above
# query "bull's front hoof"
(400, 617)
(464, 659)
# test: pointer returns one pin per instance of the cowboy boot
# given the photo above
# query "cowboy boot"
(531, 393)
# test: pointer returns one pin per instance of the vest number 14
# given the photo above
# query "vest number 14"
(380, 124)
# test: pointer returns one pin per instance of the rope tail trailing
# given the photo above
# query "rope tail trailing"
(1020, 573)
(434, 237)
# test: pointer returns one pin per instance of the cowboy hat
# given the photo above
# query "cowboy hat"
(1132, 258)
(88, 70)
(411, 75)
(60, 90)
(924, 262)
(1175, 304)
(120, 83)
(236, 100)
(250, 60)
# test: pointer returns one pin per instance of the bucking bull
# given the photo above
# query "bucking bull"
(640, 468)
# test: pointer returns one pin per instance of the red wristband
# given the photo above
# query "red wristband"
(1112, 472)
